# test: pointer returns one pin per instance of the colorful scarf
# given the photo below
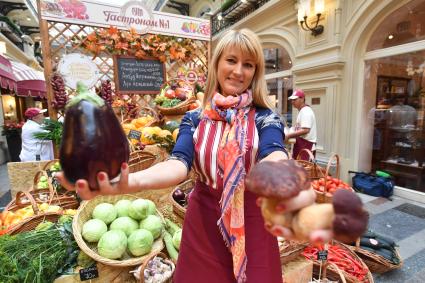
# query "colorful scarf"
(231, 155)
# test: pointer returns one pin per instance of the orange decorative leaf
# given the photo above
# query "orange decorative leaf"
(112, 30)
(140, 54)
(92, 37)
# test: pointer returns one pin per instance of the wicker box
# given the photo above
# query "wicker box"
(21, 174)
(106, 274)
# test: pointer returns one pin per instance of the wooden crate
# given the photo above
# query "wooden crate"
(107, 273)
(299, 270)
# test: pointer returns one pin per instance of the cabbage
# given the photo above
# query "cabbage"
(140, 242)
(93, 230)
(125, 224)
(122, 207)
(105, 212)
(138, 209)
(177, 237)
(153, 224)
(151, 207)
(112, 244)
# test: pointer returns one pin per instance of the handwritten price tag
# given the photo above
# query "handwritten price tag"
(322, 255)
(89, 273)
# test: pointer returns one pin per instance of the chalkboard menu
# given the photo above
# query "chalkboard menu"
(138, 76)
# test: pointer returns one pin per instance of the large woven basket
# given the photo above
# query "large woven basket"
(332, 272)
(376, 262)
(140, 160)
(179, 210)
(29, 223)
(84, 214)
(314, 171)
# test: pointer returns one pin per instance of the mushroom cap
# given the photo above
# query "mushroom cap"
(350, 221)
(282, 179)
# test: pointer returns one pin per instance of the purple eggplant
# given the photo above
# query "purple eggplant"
(93, 139)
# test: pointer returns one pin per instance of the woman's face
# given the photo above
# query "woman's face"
(235, 71)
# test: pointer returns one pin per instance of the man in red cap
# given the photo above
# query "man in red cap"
(304, 129)
(35, 149)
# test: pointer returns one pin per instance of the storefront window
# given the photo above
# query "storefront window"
(279, 91)
(277, 59)
(404, 25)
(398, 85)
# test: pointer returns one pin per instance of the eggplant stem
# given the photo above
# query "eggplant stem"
(83, 93)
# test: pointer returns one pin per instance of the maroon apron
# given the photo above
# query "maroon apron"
(300, 144)
(203, 255)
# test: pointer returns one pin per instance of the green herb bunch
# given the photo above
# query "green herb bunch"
(52, 131)
(37, 256)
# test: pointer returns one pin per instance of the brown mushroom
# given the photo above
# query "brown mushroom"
(282, 180)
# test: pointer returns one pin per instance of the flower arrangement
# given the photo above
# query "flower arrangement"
(11, 128)
(123, 42)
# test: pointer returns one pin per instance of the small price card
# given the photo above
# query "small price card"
(133, 134)
(322, 255)
(89, 273)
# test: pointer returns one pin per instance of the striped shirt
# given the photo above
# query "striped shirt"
(199, 139)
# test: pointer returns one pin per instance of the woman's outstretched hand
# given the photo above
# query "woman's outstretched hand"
(81, 187)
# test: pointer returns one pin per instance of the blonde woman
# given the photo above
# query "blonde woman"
(224, 238)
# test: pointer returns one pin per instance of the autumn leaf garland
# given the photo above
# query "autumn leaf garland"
(122, 42)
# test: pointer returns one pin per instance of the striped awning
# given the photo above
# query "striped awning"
(30, 82)
(7, 78)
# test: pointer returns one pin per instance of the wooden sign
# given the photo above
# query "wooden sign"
(138, 76)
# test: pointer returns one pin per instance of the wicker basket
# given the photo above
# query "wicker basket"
(140, 160)
(375, 262)
(152, 256)
(290, 250)
(182, 107)
(84, 214)
(29, 223)
(50, 163)
(332, 272)
(144, 111)
(66, 200)
(325, 196)
(179, 109)
(177, 208)
(314, 171)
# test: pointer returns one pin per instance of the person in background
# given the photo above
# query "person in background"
(224, 237)
(304, 129)
(34, 149)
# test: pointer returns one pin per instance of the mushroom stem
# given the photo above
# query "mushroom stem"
(311, 218)
(272, 216)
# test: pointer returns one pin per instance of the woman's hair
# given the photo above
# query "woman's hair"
(248, 42)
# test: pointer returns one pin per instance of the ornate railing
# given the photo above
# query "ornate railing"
(239, 10)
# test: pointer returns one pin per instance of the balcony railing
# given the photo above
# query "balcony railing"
(11, 31)
(233, 14)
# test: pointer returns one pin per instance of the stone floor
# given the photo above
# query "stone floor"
(400, 219)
